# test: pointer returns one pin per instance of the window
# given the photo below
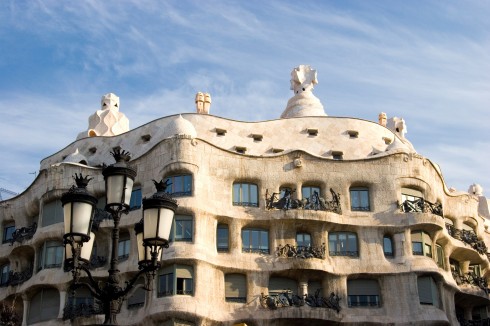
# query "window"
(182, 228)
(421, 244)
(5, 273)
(343, 244)
(363, 293)
(255, 241)
(236, 288)
(440, 256)
(84, 302)
(428, 292)
(278, 285)
(137, 299)
(136, 199)
(123, 247)
(44, 305)
(50, 255)
(8, 230)
(176, 279)
(245, 194)
(181, 185)
(359, 199)
(303, 240)
(308, 192)
(222, 238)
(411, 194)
(388, 246)
(52, 213)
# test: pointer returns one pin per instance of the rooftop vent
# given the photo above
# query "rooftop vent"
(312, 132)
(240, 149)
(92, 150)
(387, 140)
(220, 132)
(146, 137)
(257, 137)
(337, 155)
(277, 150)
(353, 133)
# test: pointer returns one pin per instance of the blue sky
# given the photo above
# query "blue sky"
(425, 61)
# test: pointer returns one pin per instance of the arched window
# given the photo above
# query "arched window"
(255, 241)
(363, 293)
(428, 291)
(222, 238)
(236, 288)
(421, 244)
(181, 185)
(44, 305)
(359, 199)
(343, 244)
(388, 246)
(245, 194)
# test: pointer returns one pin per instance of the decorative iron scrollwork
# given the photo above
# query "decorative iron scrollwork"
(287, 299)
(468, 237)
(73, 310)
(304, 252)
(421, 205)
(471, 279)
(24, 233)
(16, 278)
(315, 202)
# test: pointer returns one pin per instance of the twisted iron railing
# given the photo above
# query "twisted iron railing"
(24, 233)
(287, 299)
(468, 237)
(315, 202)
(421, 205)
(74, 310)
(17, 278)
(304, 252)
(471, 279)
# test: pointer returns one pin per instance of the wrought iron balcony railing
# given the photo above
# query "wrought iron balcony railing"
(304, 252)
(468, 237)
(344, 253)
(284, 299)
(74, 310)
(315, 202)
(471, 279)
(24, 233)
(17, 278)
(421, 205)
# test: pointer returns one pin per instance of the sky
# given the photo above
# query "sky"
(425, 61)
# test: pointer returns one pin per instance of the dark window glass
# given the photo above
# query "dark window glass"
(222, 238)
(308, 192)
(4, 277)
(136, 199)
(50, 255)
(123, 248)
(359, 199)
(184, 286)
(245, 194)
(255, 241)
(343, 244)
(7, 233)
(52, 213)
(303, 240)
(388, 246)
(181, 185)
(166, 284)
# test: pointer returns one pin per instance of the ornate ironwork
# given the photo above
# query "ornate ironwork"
(99, 216)
(421, 205)
(471, 279)
(24, 233)
(8, 316)
(16, 278)
(468, 237)
(315, 202)
(289, 251)
(287, 299)
(74, 310)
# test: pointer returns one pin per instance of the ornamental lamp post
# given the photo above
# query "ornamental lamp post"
(158, 213)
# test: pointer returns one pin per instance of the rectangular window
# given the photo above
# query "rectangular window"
(123, 248)
(181, 185)
(359, 199)
(388, 246)
(222, 238)
(166, 285)
(417, 248)
(50, 255)
(245, 194)
(52, 213)
(363, 301)
(4, 277)
(303, 240)
(255, 241)
(308, 192)
(136, 199)
(440, 256)
(182, 228)
(8, 230)
(343, 244)
(184, 286)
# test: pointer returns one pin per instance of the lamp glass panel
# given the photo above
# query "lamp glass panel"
(80, 221)
(114, 189)
(129, 190)
(151, 230)
(87, 248)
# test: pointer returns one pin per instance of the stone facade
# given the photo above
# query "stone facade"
(274, 256)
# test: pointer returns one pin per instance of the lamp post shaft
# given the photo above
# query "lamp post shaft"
(112, 304)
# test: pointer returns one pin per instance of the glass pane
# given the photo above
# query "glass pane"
(178, 185)
(354, 198)
(188, 184)
(222, 237)
(387, 246)
(255, 239)
(245, 194)
(428, 250)
(305, 192)
(264, 240)
(253, 195)
(332, 243)
(417, 248)
(364, 198)
(352, 243)
(246, 239)
(236, 194)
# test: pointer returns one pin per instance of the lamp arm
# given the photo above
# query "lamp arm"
(130, 283)
(93, 286)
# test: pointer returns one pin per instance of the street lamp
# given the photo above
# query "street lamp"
(152, 233)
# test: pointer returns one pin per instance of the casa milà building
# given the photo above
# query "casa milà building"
(308, 219)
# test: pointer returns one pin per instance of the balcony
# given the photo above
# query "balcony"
(303, 252)
(315, 202)
(470, 279)
(17, 278)
(24, 233)
(468, 237)
(421, 205)
(77, 309)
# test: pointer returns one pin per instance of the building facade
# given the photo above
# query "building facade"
(304, 220)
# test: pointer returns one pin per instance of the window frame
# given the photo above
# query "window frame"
(8, 231)
(386, 253)
(58, 213)
(189, 223)
(34, 317)
(175, 284)
(221, 248)
(45, 253)
(135, 203)
(338, 243)
(238, 193)
(303, 243)
(186, 182)
(440, 256)
(124, 246)
(241, 279)
(311, 190)
(4, 274)
(363, 300)
(426, 247)
(434, 291)
(356, 193)
(259, 248)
